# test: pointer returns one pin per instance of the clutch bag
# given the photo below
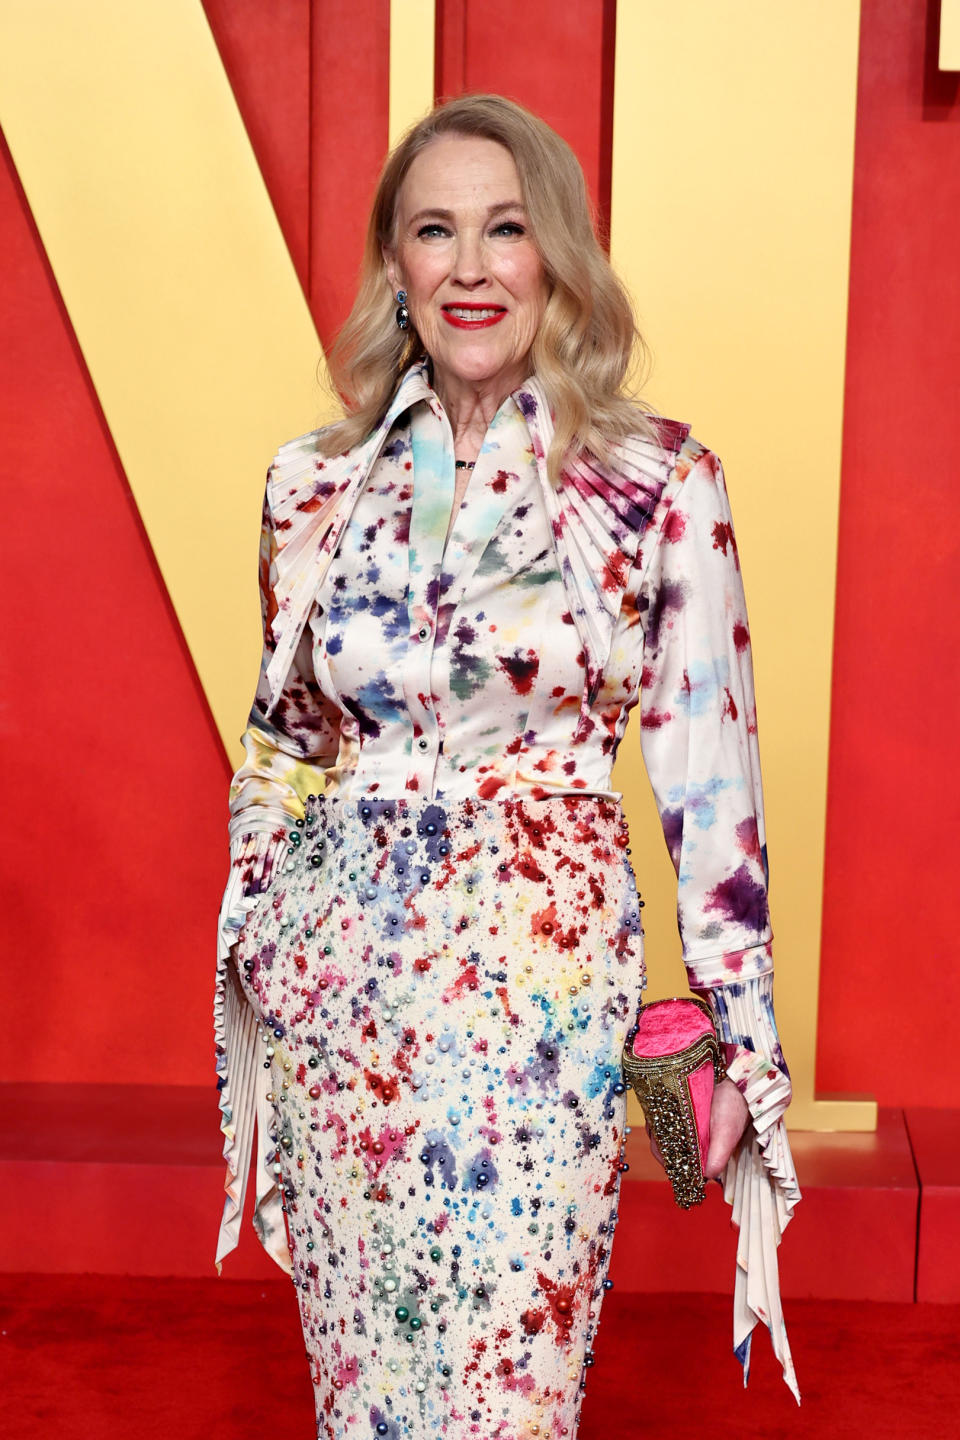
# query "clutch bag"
(672, 1060)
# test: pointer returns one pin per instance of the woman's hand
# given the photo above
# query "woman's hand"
(233, 971)
(728, 1120)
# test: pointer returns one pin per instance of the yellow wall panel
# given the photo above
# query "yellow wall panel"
(179, 285)
(949, 58)
(412, 26)
(732, 181)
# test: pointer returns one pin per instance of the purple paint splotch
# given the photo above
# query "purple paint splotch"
(740, 899)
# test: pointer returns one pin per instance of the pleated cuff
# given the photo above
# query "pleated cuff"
(235, 1035)
(245, 1105)
(760, 1182)
(746, 1024)
(242, 1077)
(729, 967)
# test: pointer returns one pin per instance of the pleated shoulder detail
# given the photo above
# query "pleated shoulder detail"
(598, 514)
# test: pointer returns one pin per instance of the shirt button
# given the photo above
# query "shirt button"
(424, 743)
(423, 632)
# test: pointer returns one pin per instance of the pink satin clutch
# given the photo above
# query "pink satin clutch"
(672, 1060)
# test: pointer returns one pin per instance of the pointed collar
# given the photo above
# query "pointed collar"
(311, 497)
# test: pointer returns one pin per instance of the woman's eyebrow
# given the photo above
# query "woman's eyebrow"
(440, 214)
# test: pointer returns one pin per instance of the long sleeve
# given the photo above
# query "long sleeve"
(699, 741)
(286, 755)
(286, 758)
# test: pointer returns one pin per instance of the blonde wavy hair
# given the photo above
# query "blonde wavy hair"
(587, 343)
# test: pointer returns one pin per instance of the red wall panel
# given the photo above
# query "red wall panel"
(890, 968)
(113, 771)
(265, 51)
(311, 79)
(555, 59)
(348, 142)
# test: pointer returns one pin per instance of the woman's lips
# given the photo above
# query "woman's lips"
(472, 317)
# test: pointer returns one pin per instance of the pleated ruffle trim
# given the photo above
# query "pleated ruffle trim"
(760, 1182)
(242, 1079)
(598, 514)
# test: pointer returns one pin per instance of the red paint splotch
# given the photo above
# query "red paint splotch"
(544, 922)
(653, 719)
(379, 1149)
(674, 526)
(613, 572)
(724, 538)
(347, 1372)
(503, 997)
(562, 1302)
(529, 868)
(748, 838)
(384, 1087)
(468, 979)
(521, 669)
(513, 1379)
(337, 1123)
(488, 788)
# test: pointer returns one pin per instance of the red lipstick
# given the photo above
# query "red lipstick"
(483, 312)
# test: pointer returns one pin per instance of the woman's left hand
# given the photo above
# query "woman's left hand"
(728, 1120)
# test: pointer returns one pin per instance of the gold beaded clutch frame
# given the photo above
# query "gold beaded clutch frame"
(672, 1060)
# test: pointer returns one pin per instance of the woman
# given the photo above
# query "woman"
(430, 943)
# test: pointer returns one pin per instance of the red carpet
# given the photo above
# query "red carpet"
(95, 1358)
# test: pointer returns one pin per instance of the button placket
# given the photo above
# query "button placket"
(419, 663)
(434, 486)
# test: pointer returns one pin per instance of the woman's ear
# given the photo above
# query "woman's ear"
(390, 261)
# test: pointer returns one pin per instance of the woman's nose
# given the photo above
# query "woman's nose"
(469, 262)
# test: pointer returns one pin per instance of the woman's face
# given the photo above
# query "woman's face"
(475, 283)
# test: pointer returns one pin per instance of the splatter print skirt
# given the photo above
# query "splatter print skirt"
(447, 987)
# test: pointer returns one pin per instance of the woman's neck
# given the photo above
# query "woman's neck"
(470, 407)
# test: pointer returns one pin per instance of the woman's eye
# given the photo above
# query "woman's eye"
(428, 232)
(510, 227)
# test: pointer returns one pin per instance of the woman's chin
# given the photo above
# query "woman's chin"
(474, 363)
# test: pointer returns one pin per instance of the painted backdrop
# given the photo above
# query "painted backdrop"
(783, 194)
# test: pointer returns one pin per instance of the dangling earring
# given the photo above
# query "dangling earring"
(403, 314)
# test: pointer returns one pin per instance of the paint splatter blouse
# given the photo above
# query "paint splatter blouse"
(507, 659)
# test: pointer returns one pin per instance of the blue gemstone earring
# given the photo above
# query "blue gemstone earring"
(403, 314)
